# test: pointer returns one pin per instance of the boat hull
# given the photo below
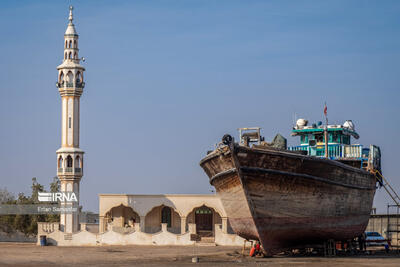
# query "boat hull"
(287, 200)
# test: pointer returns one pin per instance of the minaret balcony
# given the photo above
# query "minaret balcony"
(70, 85)
(69, 170)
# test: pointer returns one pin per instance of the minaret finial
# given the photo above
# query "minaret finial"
(70, 14)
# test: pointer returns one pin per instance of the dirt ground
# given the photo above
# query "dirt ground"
(23, 254)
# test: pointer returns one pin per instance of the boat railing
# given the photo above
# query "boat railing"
(334, 151)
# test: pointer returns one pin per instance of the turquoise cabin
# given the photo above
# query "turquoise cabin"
(340, 147)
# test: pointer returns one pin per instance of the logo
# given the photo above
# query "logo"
(59, 196)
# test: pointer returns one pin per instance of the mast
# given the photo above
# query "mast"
(326, 131)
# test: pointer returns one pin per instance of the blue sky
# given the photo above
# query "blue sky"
(166, 79)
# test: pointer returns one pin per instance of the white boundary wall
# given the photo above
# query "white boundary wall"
(84, 238)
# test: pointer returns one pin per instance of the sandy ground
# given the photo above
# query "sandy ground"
(20, 254)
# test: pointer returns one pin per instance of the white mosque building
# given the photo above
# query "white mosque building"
(123, 219)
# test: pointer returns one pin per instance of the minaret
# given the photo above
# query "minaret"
(70, 157)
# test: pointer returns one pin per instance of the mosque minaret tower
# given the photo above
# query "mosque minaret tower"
(70, 84)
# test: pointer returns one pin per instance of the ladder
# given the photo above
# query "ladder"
(389, 189)
(393, 222)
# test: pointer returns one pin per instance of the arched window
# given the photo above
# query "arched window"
(70, 44)
(78, 77)
(78, 162)
(69, 161)
(75, 56)
(65, 56)
(70, 55)
(61, 80)
(70, 77)
(166, 216)
(75, 45)
(66, 43)
(60, 162)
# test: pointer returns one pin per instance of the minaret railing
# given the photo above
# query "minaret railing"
(71, 85)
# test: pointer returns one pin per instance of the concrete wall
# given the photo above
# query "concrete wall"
(16, 237)
(164, 237)
(381, 223)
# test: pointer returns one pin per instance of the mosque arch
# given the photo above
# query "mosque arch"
(162, 214)
(205, 218)
(121, 216)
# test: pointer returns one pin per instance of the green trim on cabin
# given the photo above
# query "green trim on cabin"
(343, 131)
(321, 130)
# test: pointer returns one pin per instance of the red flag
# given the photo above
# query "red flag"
(325, 110)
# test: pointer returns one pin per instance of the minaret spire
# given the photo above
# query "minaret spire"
(71, 18)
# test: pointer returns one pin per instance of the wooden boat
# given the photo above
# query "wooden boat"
(287, 199)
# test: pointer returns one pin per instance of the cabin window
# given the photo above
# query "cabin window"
(346, 139)
(335, 138)
(304, 139)
(330, 137)
(319, 138)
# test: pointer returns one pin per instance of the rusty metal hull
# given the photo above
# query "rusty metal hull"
(286, 200)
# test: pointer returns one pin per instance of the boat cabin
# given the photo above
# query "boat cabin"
(340, 147)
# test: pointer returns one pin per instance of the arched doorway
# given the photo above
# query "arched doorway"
(162, 214)
(205, 219)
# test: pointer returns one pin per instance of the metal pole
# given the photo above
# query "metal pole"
(326, 138)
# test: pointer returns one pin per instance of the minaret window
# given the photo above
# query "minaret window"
(70, 77)
(78, 162)
(69, 161)
(78, 77)
(61, 78)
